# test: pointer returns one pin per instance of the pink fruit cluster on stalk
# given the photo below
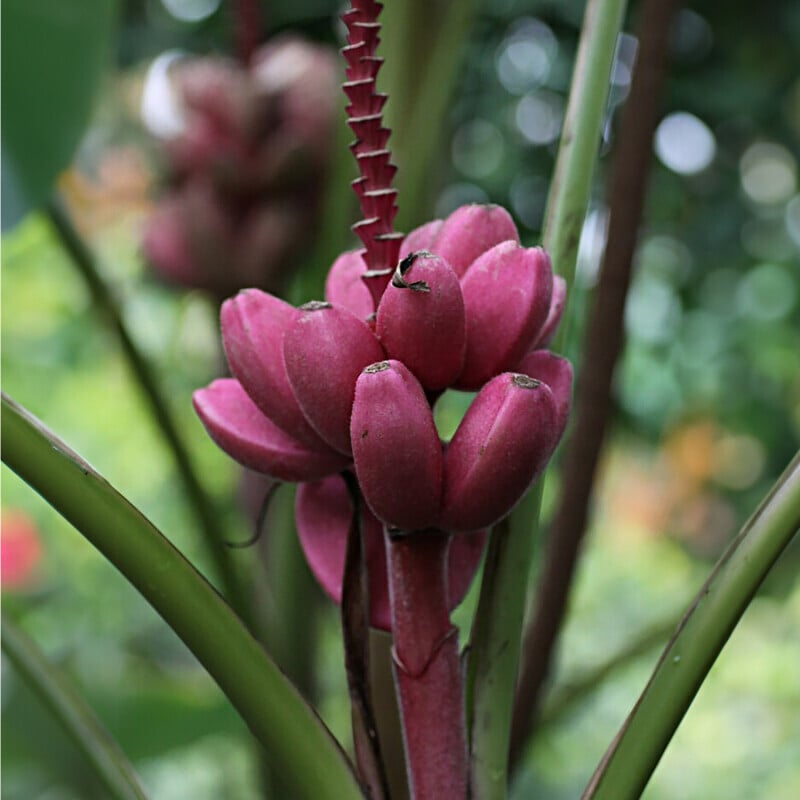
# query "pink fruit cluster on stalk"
(348, 384)
(246, 171)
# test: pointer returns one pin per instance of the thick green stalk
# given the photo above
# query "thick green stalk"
(602, 345)
(495, 646)
(722, 600)
(203, 508)
(421, 38)
(299, 747)
(288, 594)
(494, 652)
(580, 137)
(73, 713)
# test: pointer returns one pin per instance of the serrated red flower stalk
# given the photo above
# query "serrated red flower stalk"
(374, 188)
(427, 668)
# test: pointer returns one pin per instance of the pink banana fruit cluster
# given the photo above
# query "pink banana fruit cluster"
(342, 385)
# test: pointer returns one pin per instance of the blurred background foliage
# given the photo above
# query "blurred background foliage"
(708, 390)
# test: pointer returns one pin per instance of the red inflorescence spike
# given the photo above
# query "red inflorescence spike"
(376, 168)
(369, 131)
(366, 32)
(387, 247)
(366, 230)
(380, 203)
(374, 186)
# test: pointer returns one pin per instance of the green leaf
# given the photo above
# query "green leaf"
(53, 57)
(74, 714)
(209, 524)
(297, 744)
(719, 605)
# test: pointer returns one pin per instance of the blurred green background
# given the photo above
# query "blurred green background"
(707, 393)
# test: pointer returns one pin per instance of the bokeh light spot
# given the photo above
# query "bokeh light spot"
(768, 173)
(160, 108)
(459, 194)
(528, 195)
(684, 143)
(739, 461)
(665, 257)
(477, 148)
(692, 36)
(793, 219)
(539, 116)
(767, 293)
(524, 58)
(591, 246)
(653, 311)
(191, 10)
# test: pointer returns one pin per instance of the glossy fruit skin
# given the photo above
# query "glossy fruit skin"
(421, 321)
(237, 425)
(501, 446)
(507, 293)
(325, 347)
(396, 449)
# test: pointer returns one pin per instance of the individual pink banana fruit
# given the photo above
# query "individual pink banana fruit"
(504, 441)
(325, 347)
(396, 449)
(421, 320)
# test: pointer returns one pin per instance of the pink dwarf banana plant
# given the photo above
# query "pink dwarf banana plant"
(347, 385)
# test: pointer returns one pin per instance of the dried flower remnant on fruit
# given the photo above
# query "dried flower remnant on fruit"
(426, 330)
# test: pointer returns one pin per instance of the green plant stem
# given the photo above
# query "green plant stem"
(422, 38)
(289, 595)
(603, 343)
(495, 647)
(719, 605)
(204, 511)
(492, 671)
(73, 713)
(572, 178)
(288, 600)
(303, 753)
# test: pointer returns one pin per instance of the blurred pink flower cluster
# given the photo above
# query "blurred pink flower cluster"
(348, 384)
(246, 172)
(21, 551)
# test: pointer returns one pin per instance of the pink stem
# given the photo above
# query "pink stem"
(427, 666)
